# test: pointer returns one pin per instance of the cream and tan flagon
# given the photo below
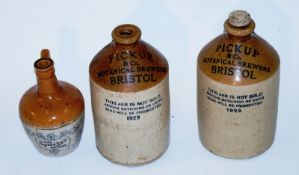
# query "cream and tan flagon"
(238, 84)
(130, 99)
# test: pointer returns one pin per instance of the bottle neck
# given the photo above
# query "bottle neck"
(241, 38)
(239, 33)
(47, 82)
(126, 36)
(125, 46)
(48, 85)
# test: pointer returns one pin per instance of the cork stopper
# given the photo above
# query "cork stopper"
(126, 34)
(239, 18)
(239, 24)
(44, 67)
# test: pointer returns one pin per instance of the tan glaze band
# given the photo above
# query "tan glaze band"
(230, 60)
(239, 31)
(128, 69)
(126, 34)
(50, 103)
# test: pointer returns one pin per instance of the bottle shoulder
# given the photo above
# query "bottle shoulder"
(225, 58)
(51, 110)
(142, 51)
(254, 41)
(123, 68)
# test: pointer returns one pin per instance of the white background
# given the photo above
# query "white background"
(76, 30)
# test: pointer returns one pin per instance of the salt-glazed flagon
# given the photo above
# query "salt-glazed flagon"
(130, 99)
(52, 112)
(238, 81)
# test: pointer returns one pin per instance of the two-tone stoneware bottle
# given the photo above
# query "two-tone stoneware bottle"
(130, 99)
(52, 112)
(238, 81)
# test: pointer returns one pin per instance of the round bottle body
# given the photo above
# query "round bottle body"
(52, 112)
(130, 102)
(238, 84)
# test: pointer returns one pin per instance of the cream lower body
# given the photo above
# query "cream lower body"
(131, 128)
(56, 141)
(237, 121)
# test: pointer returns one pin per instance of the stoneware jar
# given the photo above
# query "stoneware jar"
(52, 112)
(130, 99)
(238, 81)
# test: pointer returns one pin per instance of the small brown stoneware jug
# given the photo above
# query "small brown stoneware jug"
(238, 81)
(130, 99)
(52, 112)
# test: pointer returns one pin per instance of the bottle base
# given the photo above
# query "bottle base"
(236, 157)
(133, 164)
(57, 155)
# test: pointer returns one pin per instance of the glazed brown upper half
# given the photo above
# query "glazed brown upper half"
(128, 68)
(52, 110)
(224, 59)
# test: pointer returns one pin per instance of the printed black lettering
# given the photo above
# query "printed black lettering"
(112, 80)
(124, 55)
(255, 53)
(120, 80)
(133, 54)
(238, 48)
(218, 47)
(229, 47)
(247, 50)
(230, 71)
(219, 71)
